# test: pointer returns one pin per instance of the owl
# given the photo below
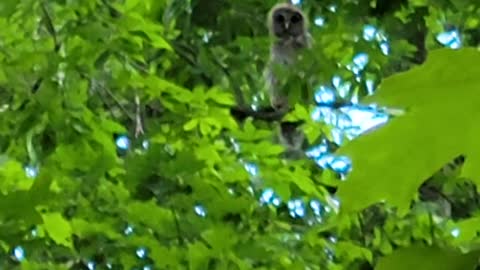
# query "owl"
(288, 29)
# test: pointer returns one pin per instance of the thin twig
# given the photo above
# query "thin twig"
(117, 101)
(177, 225)
(138, 118)
(50, 27)
(114, 98)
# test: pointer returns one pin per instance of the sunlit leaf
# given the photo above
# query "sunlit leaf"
(58, 228)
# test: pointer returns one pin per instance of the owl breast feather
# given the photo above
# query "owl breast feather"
(285, 51)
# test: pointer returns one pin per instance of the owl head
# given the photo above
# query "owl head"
(286, 21)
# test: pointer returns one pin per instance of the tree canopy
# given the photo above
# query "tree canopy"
(138, 135)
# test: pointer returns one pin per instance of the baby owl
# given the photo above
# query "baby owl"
(288, 29)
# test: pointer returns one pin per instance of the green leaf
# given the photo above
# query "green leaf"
(13, 176)
(470, 169)
(159, 219)
(205, 128)
(190, 125)
(58, 228)
(432, 81)
(427, 258)
(84, 228)
(390, 163)
(465, 230)
(20, 205)
(3, 76)
(352, 252)
(130, 4)
(160, 43)
(251, 133)
(221, 97)
(312, 132)
(220, 238)
(198, 256)
(163, 257)
(113, 126)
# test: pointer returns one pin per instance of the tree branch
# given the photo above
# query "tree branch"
(264, 113)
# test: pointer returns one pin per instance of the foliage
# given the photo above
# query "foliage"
(120, 151)
(426, 93)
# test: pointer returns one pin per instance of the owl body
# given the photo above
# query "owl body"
(286, 51)
(287, 26)
(288, 29)
(292, 138)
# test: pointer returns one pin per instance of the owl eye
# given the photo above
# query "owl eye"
(279, 18)
(296, 18)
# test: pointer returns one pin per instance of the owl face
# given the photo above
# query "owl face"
(287, 22)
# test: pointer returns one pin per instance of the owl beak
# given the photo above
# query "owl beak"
(287, 24)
